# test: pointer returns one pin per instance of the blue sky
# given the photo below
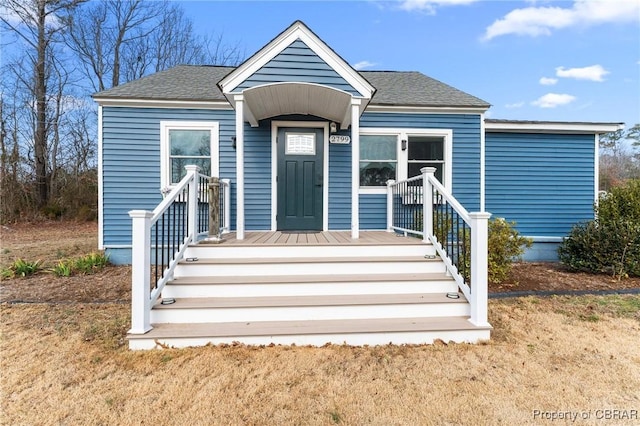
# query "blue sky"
(532, 60)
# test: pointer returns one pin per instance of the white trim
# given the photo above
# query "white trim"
(483, 145)
(296, 31)
(275, 125)
(423, 109)
(274, 99)
(240, 225)
(543, 239)
(596, 173)
(355, 168)
(153, 103)
(165, 126)
(552, 127)
(402, 169)
(100, 184)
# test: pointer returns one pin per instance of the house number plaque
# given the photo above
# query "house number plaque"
(340, 139)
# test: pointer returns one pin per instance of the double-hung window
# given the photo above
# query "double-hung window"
(187, 143)
(378, 159)
(399, 154)
(425, 151)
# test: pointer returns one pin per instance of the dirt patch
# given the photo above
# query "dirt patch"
(50, 242)
(556, 277)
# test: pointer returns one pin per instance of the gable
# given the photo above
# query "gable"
(297, 55)
(297, 63)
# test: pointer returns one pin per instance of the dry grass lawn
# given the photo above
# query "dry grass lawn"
(67, 364)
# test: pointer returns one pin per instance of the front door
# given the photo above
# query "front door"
(300, 159)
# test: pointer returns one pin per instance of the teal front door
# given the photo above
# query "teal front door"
(300, 179)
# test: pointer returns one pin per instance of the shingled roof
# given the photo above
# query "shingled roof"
(199, 83)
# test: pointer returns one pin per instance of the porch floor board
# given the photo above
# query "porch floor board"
(278, 238)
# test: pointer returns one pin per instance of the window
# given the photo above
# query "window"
(425, 151)
(400, 154)
(188, 143)
(378, 159)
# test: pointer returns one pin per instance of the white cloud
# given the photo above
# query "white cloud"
(552, 100)
(430, 6)
(592, 73)
(537, 21)
(363, 64)
(515, 105)
(548, 81)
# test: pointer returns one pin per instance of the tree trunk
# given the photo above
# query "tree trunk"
(40, 136)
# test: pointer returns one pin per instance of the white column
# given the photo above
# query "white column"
(427, 203)
(355, 168)
(390, 183)
(239, 100)
(140, 271)
(479, 260)
(192, 209)
(226, 187)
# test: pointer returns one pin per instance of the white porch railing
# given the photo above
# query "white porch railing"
(422, 206)
(160, 238)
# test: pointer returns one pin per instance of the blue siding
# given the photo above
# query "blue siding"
(466, 148)
(297, 63)
(131, 161)
(543, 182)
(373, 211)
(339, 186)
(257, 177)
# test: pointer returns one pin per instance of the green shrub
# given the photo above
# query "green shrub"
(505, 245)
(62, 269)
(23, 268)
(90, 263)
(610, 244)
(603, 247)
(622, 203)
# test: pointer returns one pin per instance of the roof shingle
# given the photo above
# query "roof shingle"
(199, 83)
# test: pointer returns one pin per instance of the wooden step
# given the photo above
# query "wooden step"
(301, 285)
(285, 279)
(294, 308)
(307, 266)
(292, 260)
(258, 251)
(316, 333)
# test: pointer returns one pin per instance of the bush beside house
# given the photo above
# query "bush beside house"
(611, 243)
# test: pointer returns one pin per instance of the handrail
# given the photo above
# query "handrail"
(422, 206)
(160, 239)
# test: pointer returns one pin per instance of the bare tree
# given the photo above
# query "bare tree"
(618, 162)
(122, 40)
(38, 23)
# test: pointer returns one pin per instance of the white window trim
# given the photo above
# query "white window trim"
(166, 126)
(403, 156)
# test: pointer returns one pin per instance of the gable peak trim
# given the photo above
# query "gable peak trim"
(296, 31)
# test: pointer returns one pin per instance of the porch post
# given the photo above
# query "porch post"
(226, 188)
(427, 203)
(239, 100)
(140, 271)
(390, 183)
(355, 168)
(192, 209)
(479, 261)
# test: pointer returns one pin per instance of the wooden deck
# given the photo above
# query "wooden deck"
(279, 238)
